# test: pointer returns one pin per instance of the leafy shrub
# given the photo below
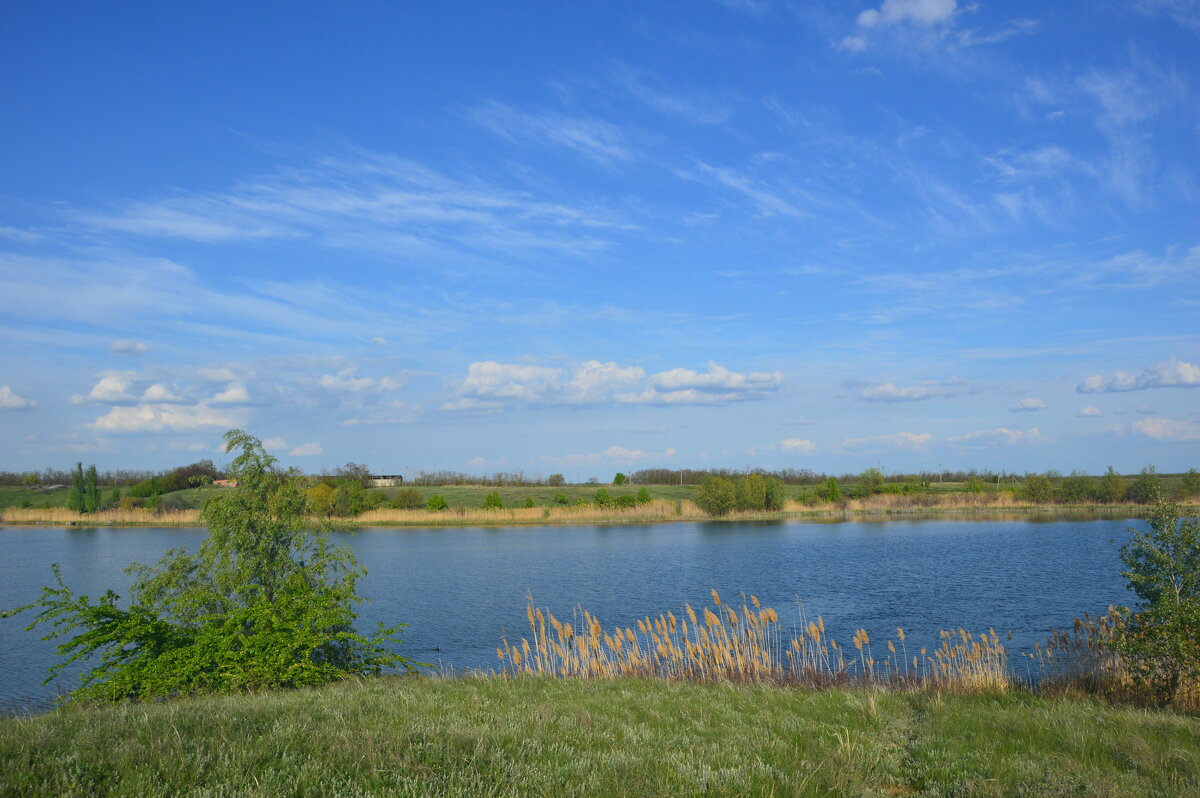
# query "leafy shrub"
(555, 480)
(773, 497)
(408, 499)
(1038, 489)
(830, 491)
(529, 502)
(561, 498)
(643, 496)
(1147, 488)
(715, 496)
(626, 501)
(492, 501)
(602, 498)
(436, 503)
(263, 603)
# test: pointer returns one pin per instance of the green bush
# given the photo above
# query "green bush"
(643, 496)
(561, 498)
(602, 498)
(1161, 641)
(626, 502)
(1147, 488)
(1190, 485)
(773, 497)
(830, 491)
(436, 503)
(1038, 489)
(264, 603)
(529, 502)
(619, 479)
(1112, 487)
(716, 496)
(492, 501)
(408, 499)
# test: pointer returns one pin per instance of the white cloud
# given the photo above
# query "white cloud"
(925, 13)
(615, 454)
(11, 401)
(991, 437)
(1028, 404)
(490, 385)
(1173, 373)
(901, 440)
(125, 347)
(852, 44)
(594, 379)
(159, 392)
(164, 417)
(235, 393)
(718, 385)
(594, 138)
(797, 445)
(307, 450)
(379, 341)
(1090, 410)
(111, 388)
(346, 380)
(890, 392)
(1168, 429)
(275, 444)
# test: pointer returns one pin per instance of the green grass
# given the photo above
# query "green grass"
(478, 737)
(14, 496)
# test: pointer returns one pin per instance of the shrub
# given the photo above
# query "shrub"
(264, 603)
(1112, 487)
(1038, 489)
(436, 503)
(602, 498)
(870, 482)
(319, 499)
(492, 501)
(643, 496)
(1147, 488)
(561, 498)
(626, 502)
(555, 480)
(408, 499)
(715, 496)
(830, 491)
(1162, 639)
(1190, 485)
(773, 497)
(529, 502)
(749, 492)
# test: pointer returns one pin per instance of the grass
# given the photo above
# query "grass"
(537, 736)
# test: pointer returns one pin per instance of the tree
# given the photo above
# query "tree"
(1162, 640)
(750, 493)
(319, 499)
(1038, 488)
(1078, 488)
(830, 491)
(619, 479)
(715, 496)
(265, 602)
(555, 480)
(1190, 485)
(76, 500)
(91, 490)
(773, 497)
(1147, 488)
(1112, 487)
(870, 482)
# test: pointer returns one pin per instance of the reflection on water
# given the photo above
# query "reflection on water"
(459, 588)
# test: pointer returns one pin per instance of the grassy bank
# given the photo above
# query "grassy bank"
(983, 506)
(625, 737)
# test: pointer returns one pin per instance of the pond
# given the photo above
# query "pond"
(460, 588)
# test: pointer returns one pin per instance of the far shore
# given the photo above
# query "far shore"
(966, 506)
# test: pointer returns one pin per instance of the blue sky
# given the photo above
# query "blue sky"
(551, 237)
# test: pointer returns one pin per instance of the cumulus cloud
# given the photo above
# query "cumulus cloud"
(909, 441)
(348, 380)
(164, 417)
(930, 389)
(717, 385)
(1090, 410)
(11, 401)
(126, 347)
(797, 445)
(999, 435)
(1028, 404)
(1168, 429)
(111, 388)
(491, 386)
(275, 444)
(235, 393)
(159, 392)
(1173, 373)
(307, 450)
(925, 13)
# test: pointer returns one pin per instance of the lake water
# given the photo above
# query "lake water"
(458, 588)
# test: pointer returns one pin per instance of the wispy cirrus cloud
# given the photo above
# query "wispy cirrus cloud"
(1173, 373)
(906, 441)
(593, 138)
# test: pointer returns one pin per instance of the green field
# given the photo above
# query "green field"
(478, 737)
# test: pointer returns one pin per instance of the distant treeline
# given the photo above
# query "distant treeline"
(803, 476)
(171, 479)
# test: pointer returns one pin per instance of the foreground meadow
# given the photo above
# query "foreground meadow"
(541, 736)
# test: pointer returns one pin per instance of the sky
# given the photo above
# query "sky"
(582, 238)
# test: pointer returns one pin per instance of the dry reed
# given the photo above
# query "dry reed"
(746, 644)
(61, 516)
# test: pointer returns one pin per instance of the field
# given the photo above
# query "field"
(531, 736)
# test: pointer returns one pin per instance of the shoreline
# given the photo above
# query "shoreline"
(655, 513)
